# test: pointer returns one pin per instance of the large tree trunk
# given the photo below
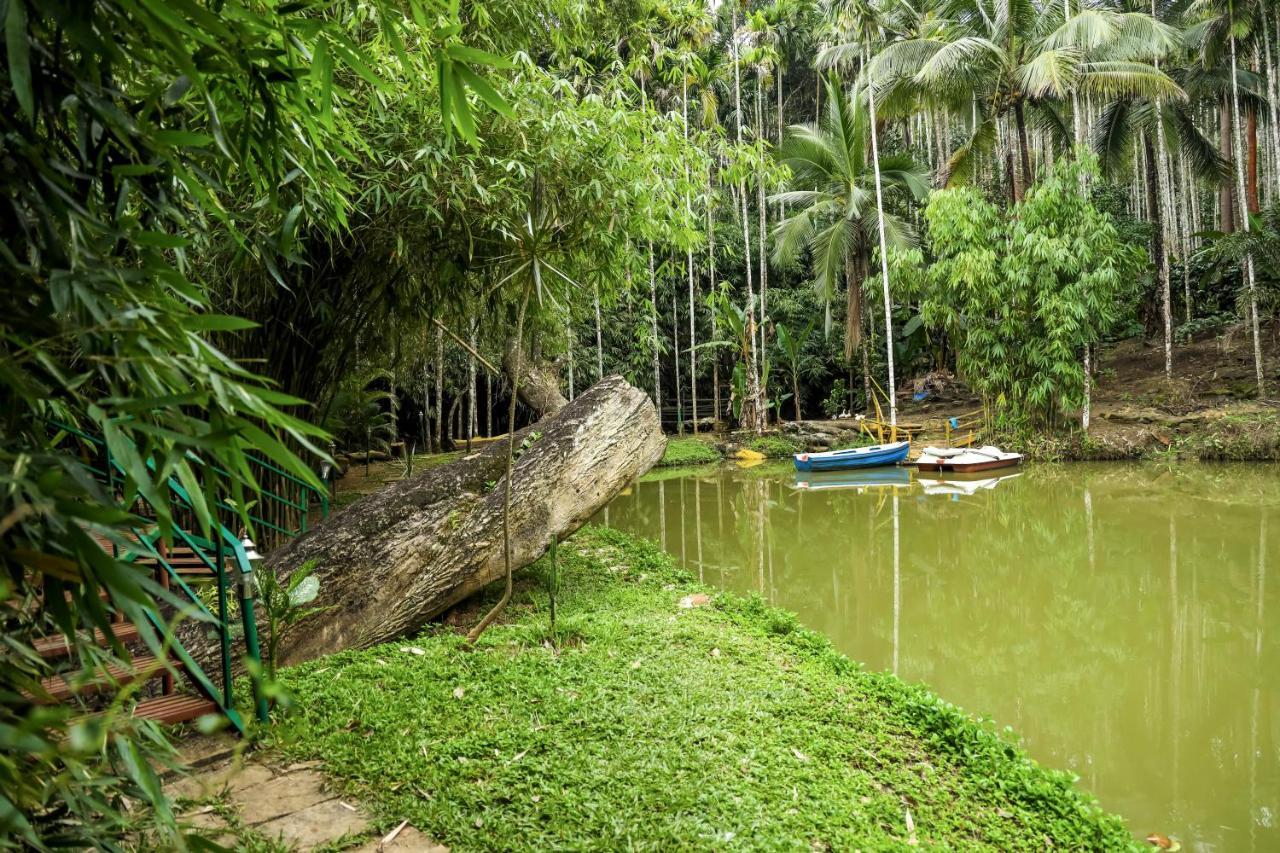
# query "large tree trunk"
(393, 560)
(539, 383)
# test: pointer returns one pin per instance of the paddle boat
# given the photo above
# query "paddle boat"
(962, 487)
(857, 457)
(957, 460)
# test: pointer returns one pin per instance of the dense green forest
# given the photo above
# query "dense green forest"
(697, 194)
(236, 226)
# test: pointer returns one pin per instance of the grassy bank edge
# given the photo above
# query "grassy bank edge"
(1251, 437)
(989, 759)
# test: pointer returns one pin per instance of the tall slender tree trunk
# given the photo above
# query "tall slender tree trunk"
(1226, 200)
(1251, 160)
(1188, 187)
(653, 319)
(675, 347)
(595, 293)
(711, 271)
(572, 335)
(1244, 221)
(891, 390)
(439, 389)
(473, 412)
(762, 209)
(1023, 150)
(1088, 387)
(750, 405)
(1273, 98)
(1159, 237)
(693, 332)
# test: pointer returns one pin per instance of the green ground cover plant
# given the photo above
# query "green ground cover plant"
(689, 451)
(646, 722)
(773, 446)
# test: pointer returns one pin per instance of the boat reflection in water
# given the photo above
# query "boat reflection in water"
(896, 478)
(960, 485)
(877, 479)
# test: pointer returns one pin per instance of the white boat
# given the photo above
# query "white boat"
(956, 460)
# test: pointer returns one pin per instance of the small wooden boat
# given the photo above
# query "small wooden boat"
(858, 457)
(967, 461)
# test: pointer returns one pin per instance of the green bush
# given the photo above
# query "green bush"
(773, 446)
(837, 401)
(689, 451)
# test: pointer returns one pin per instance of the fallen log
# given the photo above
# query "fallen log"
(391, 561)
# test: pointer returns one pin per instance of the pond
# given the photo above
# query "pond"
(1119, 617)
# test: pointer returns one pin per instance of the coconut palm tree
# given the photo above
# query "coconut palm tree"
(1023, 59)
(835, 215)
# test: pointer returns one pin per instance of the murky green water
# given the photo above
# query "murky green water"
(1124, 619)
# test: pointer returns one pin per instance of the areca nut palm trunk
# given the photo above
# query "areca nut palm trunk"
(750, 405)
(1162, 215)
(764, 271)
(653, 329)
(595, 294)
(884, 249)
(439, 389)
(711, 272)
(1244, 211)
(688, 209)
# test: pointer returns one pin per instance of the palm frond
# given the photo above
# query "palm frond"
(792, 235)
(1203, 156)
(1112, 135)
(1117, 79)
(1044, 116)
(960, 166)
(830, 245)
(1052, 73)
(965, 59)
(839, 56)
(1088, 29)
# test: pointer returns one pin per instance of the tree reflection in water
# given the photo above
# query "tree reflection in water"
(1114, 615)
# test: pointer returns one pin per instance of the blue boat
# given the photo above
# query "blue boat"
(858, 457)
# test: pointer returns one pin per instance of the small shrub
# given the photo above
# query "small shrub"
(837, 401)
(773, 446)
(688, 451)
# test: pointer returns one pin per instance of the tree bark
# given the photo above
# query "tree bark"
(538, 385)
(1251, 161)
(1159, 251)
(1226, 198)
(1025, 155)
(395, 559)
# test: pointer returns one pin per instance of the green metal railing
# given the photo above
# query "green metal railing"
(215, 553)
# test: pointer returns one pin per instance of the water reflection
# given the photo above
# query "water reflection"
(1114, 615)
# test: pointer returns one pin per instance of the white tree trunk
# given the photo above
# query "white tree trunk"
(891, 391)
(1240, 154)
(595, 293)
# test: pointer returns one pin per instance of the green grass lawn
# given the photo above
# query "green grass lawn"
(641, 723)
